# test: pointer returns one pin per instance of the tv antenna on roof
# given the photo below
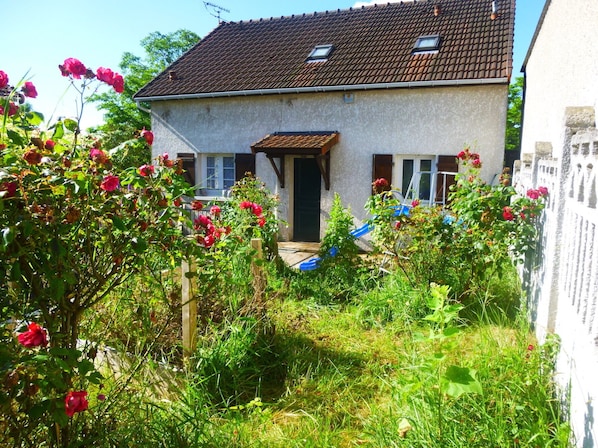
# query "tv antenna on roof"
(216, 10)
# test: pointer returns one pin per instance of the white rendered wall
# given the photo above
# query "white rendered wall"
(562, 70)
(430, 121)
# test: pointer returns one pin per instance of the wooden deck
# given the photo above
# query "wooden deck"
(295, 253)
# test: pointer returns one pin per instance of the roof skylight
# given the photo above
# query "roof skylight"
(320, 53)
(427, 44)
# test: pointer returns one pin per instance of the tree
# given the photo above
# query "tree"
(122, 116)
(513, 131)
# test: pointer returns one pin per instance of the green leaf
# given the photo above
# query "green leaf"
(70, 124)
(460, 380)
(35, 118)
(139, 245)
(15, 137)
(58, 131)
(118, 223)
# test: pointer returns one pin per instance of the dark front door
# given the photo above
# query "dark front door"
(306, 209)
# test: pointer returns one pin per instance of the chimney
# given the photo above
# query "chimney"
(436, 10)
(494, 13)
(172, 75)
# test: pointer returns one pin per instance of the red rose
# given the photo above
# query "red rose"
(202, 221)
(245, 204)
(209, 241)
(146, 170)
(29, 90)
(73, 67)
(9, 187)
(49, 145)
(109, 183)
(507, 214)
(381, 184)
(415, 203)
(118, 83)
(196, 205)
(105, 75)
(75, 401)
(3, 79)
(12, 109)
(476, 163)
(261, 221)
(148, 136)
(35, 336)
(256, 209)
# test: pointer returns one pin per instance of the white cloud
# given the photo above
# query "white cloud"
(380, 2)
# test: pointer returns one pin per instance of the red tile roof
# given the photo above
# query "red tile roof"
(296, 143)
(372, 48)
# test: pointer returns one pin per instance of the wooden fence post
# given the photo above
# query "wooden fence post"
(189, 309)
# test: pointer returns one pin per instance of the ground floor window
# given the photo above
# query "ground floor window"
(416, 177)
(220, 172)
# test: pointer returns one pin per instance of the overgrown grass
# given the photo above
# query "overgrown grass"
(319, 372)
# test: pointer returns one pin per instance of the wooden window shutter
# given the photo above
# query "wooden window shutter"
(382, 167)
(188, 159)
(244, 163)
(443, 182)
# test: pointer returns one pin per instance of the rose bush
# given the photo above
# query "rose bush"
(75, 225)
(482, 227)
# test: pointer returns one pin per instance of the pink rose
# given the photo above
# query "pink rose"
(3, 79)
(105, 75)
(98, 156)
(148, 136)
(73, 67)
(35, 336)
(118, 83)
(415, 203)
(75, 401)
(109, 183)
(476, 163)
(533, 194)
(29, 90)
(146, 170)
(215, 210)
(543, 191)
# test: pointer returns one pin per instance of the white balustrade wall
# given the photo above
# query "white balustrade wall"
(561, 278)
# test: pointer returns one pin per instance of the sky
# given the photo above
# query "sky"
(40, 35)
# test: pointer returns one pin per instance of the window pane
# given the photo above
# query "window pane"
(425, 180)
(228, 172)
(211, 174)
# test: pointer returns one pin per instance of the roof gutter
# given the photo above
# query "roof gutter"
(291, 90)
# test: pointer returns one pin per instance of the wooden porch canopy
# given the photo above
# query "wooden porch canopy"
(281, 144)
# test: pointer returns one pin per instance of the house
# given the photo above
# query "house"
(326, 102)
(560, 151)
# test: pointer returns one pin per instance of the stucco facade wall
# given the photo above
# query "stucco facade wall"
(431, 121)
(561, 71)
